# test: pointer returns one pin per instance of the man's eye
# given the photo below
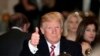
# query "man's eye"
(57, 27)
(49, 27)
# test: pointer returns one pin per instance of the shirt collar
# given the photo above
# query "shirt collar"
(15, 27)
(56, 45)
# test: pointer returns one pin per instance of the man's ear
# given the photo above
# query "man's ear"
(61, 31)
(24, 28)
(42, 30)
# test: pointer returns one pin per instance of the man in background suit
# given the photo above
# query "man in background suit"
(12, 41)
(40, 45)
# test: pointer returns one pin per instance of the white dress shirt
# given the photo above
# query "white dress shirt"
(32, 48)
(56, 50)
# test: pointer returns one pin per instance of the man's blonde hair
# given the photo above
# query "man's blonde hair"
(52, 16)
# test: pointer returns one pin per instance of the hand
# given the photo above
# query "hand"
(35, 37)
(85, 46)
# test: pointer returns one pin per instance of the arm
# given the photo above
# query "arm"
(30, 46)
(76, 50)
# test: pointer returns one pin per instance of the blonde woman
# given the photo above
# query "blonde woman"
(71, 24)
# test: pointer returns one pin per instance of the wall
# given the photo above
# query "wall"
(3, 5)
(7, 6)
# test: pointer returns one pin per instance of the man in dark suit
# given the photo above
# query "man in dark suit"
(50, 43)
(12, 41)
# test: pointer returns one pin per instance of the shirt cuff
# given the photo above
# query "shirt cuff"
(32, 48)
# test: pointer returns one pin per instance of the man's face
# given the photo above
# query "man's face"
(52, 31)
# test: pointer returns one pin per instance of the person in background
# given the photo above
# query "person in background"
(48, 6)
(11, 42)
(86, 35)
(71, 25)
(30, 10)
(50, 43)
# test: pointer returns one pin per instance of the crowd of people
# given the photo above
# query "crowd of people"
(50, 30)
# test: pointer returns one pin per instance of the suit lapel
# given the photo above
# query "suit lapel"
(64, 46)
(43, 48)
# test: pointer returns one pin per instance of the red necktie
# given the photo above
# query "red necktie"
(52, 50)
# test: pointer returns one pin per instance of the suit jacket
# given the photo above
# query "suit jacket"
(72, 48)
(11, 43)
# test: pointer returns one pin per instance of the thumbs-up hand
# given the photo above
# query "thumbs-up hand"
(35, 37)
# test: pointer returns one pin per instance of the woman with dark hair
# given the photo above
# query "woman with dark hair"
(86, 34)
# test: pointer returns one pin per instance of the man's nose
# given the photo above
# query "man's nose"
(54, 31)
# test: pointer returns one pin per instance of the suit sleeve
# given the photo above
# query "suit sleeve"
(26, 51)
(76, 50)
(32, 48)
